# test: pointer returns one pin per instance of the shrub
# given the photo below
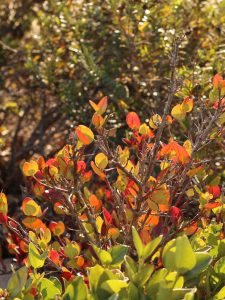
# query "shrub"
(107, 221)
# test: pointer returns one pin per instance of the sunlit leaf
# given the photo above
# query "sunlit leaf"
(57, 228)
(31, 208)
(187, 104)
(101, 107)
(133, 120)
(30, 168)
(84, 134)
(3, 204)
(101, 161)
(178, 113)
(36, 259)
(218, 81)
(155, 121)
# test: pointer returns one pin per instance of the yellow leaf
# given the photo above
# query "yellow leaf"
(188, 146)
(178, 113)
(187, 105)
(97, 170)
(160, 195)
(30, 168)
(144, 129)
(101, 161)
(3, 204)
(155, 121)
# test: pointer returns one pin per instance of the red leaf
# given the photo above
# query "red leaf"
(81, 166)
(54, 256)
(3, 218)
(107, 216)
(214, 190)
(175, 213)
(133, 120)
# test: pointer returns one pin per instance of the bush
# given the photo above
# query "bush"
(108, 221)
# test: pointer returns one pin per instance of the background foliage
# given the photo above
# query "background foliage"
(55, 55)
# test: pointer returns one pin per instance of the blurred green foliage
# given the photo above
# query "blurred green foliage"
(57, 54)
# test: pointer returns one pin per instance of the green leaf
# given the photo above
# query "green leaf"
(104, 256)
(143, 275)
(133, 292)
(187, 294)
(77, 289)
(168, 255)
(137, 242)
(71, 250)
(154, 282)
(97, 276)
(220, 295)
(220, 267)
(94, 276)
(113, 297)
(114, 285)
(118, 253)
(48, 289)
(203, 260)
(151, 246)
(131, 266)
(185, 258)
(56, 283)
(213, 95)
(17, 281)
(36, 259)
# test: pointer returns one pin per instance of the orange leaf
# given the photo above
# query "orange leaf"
(189, 230)
(187, 104)
(59, 208)
(54, 256)
(84, 134)
(175, 152)
(212, 205)
(34, 223)
(97, 170)
(97, 120)
(24, 247)
(30, 168)
(133, 120)
(31, 208)
(57, 228)
(80, 261)
(113, 233)
(218, 81)
(151, 220)
(95, 202)
(101, 107)
(169, 119)
(145, 236)
(38, 189)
